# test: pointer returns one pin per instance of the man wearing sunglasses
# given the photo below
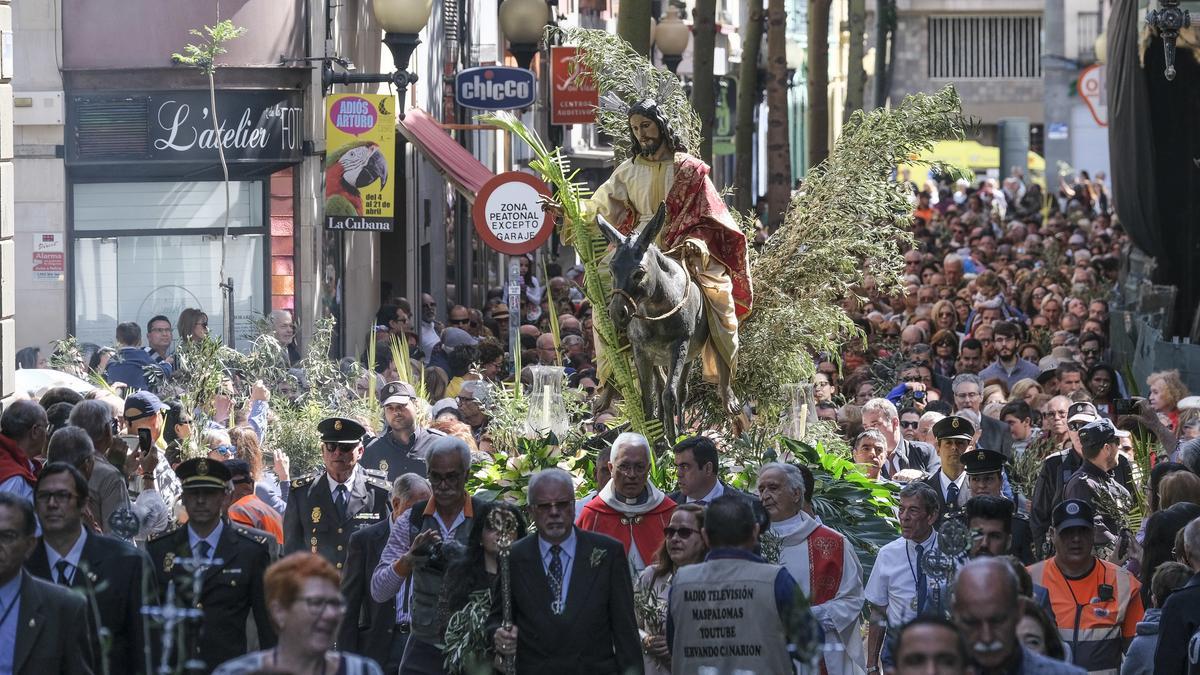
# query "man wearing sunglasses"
(1098, 444)
(325, 508)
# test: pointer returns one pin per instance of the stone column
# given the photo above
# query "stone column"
(8, 344)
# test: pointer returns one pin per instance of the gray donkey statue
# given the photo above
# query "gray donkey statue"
(661, 310)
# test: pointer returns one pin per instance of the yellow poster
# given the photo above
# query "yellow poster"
(360, 159)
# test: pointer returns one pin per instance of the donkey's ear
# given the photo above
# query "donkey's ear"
(612, 234)
(650, 232)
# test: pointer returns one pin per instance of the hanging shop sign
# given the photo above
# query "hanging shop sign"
(360, 159)
(495, 88)
(573, 93)
(508, 213)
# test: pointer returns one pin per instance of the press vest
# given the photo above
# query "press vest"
(1091, 620)
(427, 581)
(726, 620)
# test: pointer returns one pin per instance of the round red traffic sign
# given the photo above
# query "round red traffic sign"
(508, 215)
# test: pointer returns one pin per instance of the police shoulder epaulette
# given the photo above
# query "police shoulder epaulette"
(163, 535)
(377, 481)
(253, 535)
(304, 481)
(374, 473)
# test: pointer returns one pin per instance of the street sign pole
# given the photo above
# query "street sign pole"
(514, 303)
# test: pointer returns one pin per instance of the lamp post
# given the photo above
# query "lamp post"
(402, 21)
(671, 37)
(523, 22)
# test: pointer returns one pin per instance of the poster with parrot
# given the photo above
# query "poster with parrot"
(359, 162)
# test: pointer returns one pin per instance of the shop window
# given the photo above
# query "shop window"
(142, 249)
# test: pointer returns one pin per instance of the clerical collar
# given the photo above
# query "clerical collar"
(635, 501)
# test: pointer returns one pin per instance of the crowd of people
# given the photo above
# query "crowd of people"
(984, 393)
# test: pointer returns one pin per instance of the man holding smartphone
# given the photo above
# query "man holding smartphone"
(143, 415)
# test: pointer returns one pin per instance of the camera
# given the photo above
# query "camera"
(438, 555)
(918, 395)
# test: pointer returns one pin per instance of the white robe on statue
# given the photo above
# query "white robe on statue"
(840, 617)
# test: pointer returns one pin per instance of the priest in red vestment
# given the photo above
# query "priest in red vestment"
(629, 508)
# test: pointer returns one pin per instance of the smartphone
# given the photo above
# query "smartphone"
(145, 442)
(1125, 406)
(132, 442)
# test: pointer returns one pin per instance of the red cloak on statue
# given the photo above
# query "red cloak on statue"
(695, 210)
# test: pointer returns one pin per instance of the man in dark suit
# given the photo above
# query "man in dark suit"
(43, 628)
(696, 465)
(880, 414)
(324, 509)
(954, 434)
(234, 560)
(378, 629)
(572, 597)
(108, 570)
(968, 395)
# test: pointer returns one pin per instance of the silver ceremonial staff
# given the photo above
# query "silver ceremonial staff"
(504, 523)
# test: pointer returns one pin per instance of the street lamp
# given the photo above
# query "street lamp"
(672, 37)
(523, 22)
(402, 22)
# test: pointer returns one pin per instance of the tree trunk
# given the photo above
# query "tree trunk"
(704, 37)
(885, 13)
(856, 77)
(779, 156)
(818, 81)
(633, 25)
(747, 96)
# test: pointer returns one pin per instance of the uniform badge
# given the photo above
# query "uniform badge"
(954, 422)
(1072, 509)
(316, 514)
(337, 425)
(383, 465)
(979, 456)
(168, 562)
(202, 468)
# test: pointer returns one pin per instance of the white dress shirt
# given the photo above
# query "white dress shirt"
(717, 491)
(893, 581)
(72, 557)
(964, 491)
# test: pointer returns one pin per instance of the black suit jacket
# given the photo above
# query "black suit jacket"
(596, 634)
(934, 481)
(52, 631)
(230, 592)
(678, 498)
(369, 625)
(912, 455)
(113, 571)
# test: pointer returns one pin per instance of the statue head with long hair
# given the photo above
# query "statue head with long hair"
(650, 109)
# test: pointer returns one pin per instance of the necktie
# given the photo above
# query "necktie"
(922, 582)
(340, 501)
(61, 567)
(556, 578)
(202, 549)
(952, 496)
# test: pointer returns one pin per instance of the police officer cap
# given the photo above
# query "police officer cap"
(397, 392)
(1073, 513)
(340, 430)
(1095, 434)
(202, 472)
(979, 462)
(1082, 411)
(954, 428)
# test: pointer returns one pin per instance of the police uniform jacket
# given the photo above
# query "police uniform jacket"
(394, 459)
(230, 592)
(311, 521)
(1057, 469)
(1085, 484)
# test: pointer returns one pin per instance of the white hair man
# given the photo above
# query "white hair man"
(880, 414)
(630, 508)
(822, 561)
